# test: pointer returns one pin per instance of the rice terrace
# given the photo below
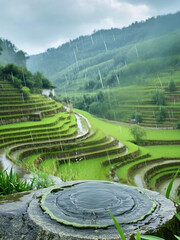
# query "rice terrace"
(90, 136)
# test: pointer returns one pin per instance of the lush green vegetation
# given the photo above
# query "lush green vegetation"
(10, 54)
(150, 105)
(130, 79)
(10, 182)
(128, 75)
(81, 58)
(20, 77)
(52, 145)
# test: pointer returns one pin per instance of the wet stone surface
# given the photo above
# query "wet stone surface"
(86, 204)
(78, 210)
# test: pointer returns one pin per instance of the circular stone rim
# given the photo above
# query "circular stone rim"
(92, 226)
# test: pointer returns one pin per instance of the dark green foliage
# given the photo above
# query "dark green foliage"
(90, 85)
(20, 58)
(161, 114)
(96, 104)
(138, 133)
(172, 86)
(10, 54)
(45, 82)
(100, 96)
(111, 79)
(137, 116)
(17, 82)
(38, 80)
(10, 183)
(50, 95)
(94, 108)
(20, 76)
(158, 97)
(10, 70)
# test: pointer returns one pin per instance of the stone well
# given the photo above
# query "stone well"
(79, 210)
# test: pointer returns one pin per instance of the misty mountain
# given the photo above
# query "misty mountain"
(84, 58)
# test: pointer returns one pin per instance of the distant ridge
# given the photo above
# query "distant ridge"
(54, 60)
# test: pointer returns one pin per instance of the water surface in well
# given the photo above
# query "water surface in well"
(87, 203)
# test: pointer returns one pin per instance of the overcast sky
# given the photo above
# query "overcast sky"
(35, 25)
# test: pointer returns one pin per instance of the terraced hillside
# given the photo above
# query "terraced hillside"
(127, 100)
(151, 166)
(14, 107)
(122, 103)
(68, 145)
(115, 73)
(60, 137)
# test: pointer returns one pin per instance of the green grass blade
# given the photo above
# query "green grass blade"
(177, 215)
(117, 226)
(168, 191)
(138, 237)
(177, 237)
(148, 237)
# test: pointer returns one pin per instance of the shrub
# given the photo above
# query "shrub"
(161, 114)
(26, 92)
(42, 180)
(11, 183)
(172, 86)
(17, 82)
(138, 133)
(94, 108)
(158, 97)
(137, 116)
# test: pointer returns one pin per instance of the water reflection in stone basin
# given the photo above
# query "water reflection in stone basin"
(87, 203)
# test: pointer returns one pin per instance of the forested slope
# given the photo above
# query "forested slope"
(82, 57)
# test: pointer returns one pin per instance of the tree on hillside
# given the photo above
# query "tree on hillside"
(19, 76)
(10, 54)
(10, 70)
(172, 86)
(158, 97)
(94, 108)
(100, 96)
(161, 114)
(137, 116)
(17, 83)
(26, 93)
(90, 85)
(138, 133)
(20, 58)
(38, 80)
